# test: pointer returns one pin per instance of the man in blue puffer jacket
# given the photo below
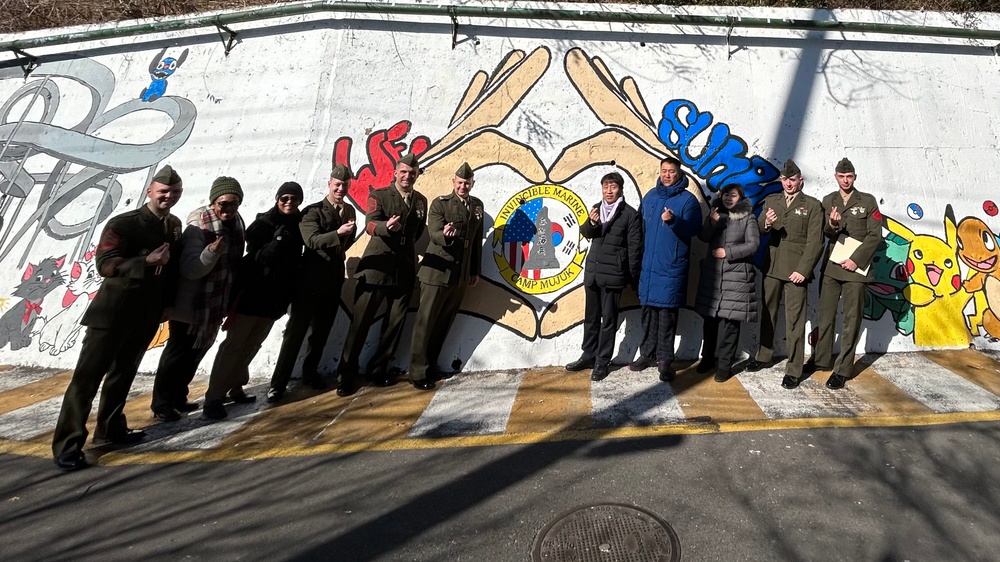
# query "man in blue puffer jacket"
(672, 216)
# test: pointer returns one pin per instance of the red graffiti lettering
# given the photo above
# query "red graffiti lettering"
(384, 151)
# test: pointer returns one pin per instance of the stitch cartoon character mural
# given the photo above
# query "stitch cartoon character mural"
(159, 70)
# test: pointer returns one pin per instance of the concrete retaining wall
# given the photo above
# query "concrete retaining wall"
(541, 109)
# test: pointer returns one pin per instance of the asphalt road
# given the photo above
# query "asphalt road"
(880, 494)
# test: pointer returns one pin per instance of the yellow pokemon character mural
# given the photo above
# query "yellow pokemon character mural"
(936, 290)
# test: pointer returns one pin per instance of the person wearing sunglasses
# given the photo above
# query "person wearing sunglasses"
(266, 283)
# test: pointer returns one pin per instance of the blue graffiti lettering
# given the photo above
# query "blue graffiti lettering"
(724, 159)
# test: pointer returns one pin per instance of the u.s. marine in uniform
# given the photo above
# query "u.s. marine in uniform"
(451, 264)
(386, 273)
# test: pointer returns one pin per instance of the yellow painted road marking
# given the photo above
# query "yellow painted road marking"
(34, 392)
(702, 398)
(551, 398)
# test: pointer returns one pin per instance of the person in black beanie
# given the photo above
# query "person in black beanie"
(264, 289)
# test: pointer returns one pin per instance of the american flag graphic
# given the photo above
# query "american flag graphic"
(517, 236)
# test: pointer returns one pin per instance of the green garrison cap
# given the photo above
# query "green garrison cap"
(845, 167)
(790, 169)
(167, 176)
(410, 160)
(465, 171)
(340, 172)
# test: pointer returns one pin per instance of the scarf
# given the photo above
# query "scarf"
(608, 209)
(213, 294)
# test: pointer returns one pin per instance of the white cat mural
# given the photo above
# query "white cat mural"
(59, 333)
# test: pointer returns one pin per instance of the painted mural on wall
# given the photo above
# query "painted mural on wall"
(535, 241)
(61, 178)
(56, 167)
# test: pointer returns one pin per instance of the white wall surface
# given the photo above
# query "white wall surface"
(526, 103)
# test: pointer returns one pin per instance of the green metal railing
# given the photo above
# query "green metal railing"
(586, 13)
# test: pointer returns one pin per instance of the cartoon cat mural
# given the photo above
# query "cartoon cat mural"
(59, 332)
(38, 281)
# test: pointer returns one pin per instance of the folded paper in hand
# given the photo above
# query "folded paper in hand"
(843, 249)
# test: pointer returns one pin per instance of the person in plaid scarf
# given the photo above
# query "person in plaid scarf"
(213, 245)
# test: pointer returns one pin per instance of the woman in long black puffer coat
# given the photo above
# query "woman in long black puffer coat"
(727, 294)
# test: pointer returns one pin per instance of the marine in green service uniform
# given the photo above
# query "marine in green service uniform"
(327, 231)
(138, 256)
(794, 221)
(386, 273)
(853, 228)
(451, 263)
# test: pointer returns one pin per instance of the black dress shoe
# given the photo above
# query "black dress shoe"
(666, 373)
(705, 365)
(346, 388)
(214, 410)
(836, 381)
(754, 366)
(422, 384)
(242, 398)
(641, 364)
(789, 382)
(72, 460)
(186, 407)
(128, 437)
(384, 380)
(723, 375)
(581, 364)
(599, 373)
(275, 394)
(167, 414)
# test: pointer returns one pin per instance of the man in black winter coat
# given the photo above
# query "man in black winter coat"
(613, 261)
(264, 289)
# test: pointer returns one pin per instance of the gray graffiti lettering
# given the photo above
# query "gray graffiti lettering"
(84, 160)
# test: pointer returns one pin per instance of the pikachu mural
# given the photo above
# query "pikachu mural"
(540, 117)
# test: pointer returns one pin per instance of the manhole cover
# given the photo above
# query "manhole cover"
(607, 533)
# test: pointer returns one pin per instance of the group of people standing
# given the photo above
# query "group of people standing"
(215, 274)
(649, 249)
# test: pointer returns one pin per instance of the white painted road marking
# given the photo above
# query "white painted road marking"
(29, 421)
(628, 398)
(470, 405)
(41, 417)
(20, 376)
(934, 386)
(806, 401)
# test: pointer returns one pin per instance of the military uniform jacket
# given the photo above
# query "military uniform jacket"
(450, 262)
(325, 250)
(860, 219)
(133, 294)
(796, 238)
(391, 258)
